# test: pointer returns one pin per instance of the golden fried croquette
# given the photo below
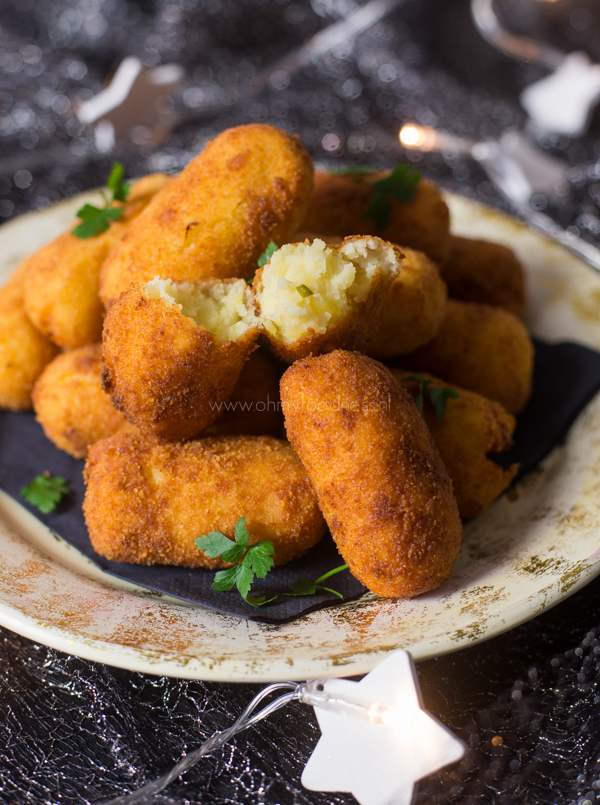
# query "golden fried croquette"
(70, 405)
(486, 273)
(61, 293)
(380, 481)
(481, 348)
(173, 352)
(254, 408)
(313, 298)
(471, 429)
(147, 502)
(413, 308)
(24, 352)
(338, 203)
(249, 186)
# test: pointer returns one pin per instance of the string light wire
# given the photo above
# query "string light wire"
(247, 719)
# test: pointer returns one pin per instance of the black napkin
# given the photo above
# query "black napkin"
(566, 377)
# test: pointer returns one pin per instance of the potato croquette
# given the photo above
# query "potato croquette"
(147, 502)
(486, 273)
(481, 348)
(70, 405)
(471, 428)
(380, 481)
(173, 353)
(338, 203)
(254, 408)
(413, 308)
(24, 352)
(314, 298)
(61, 292)
(249, 186)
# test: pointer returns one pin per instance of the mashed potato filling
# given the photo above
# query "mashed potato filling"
(311, 287)
(222, 308)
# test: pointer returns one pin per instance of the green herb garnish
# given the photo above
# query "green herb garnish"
(400, 184)
(438, 396)
(308, 587)
(95, 220)
(45, 492)
(304, 291)
(252, 561)
(267, 254)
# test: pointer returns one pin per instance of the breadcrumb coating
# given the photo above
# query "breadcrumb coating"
(24, 352)
(413, 308)
(481, 348)
(70, 405)
(61, 289)
(249, 186)
(380, 481)
(147, 502)
(472, 429)
(167, 371)
(338, 203)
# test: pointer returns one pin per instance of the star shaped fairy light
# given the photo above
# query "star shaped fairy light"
(377, 740)
(134, 97)
(563, 101)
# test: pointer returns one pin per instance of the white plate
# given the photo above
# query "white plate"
(526, 553)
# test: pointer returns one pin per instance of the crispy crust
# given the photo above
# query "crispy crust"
(70, 405)
(249, 186)
(147, 502)
(471, 429)
(24, 352)
(413, 308)
(169, 376)
(61, 289)
(486, 273)
(338, 203)
(381, 483)
(353, 332)
(481, 348)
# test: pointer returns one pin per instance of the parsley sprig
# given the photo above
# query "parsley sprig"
(307, 587)
(95, 220)
(437, 395)
(45, 492)
(252, 561)
(400, 184)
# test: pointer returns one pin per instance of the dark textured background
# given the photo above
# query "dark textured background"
(527, 703)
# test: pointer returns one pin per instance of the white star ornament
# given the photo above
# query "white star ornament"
(378, 756)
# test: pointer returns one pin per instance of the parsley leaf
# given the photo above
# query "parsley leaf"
(119, 189)
(95, 220)
(379, 210)
(423, 382)
(45, 492)
(267, 254)
(400, 184)
(252, 561)
(438, 398)
(437, 395)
